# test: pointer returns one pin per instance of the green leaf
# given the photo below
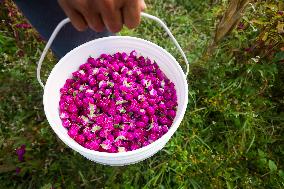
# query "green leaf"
(261, 153)
(117, 126)
(278, 56)
(272, 166)
(47, 186)
(281, 173)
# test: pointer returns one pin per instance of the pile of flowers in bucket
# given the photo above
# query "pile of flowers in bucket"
(117, 103)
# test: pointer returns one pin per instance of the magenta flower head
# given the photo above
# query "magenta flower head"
(145, 119)
(152, 101)
(21, 152)
(134, 146)
(89, 93)
(165, 129)
(241, 26)
(140, 124)
(145, 143)
(73, 131)
(117, 119)
(24, 26)
(92, 145)
(130, 136)
(72, 108)
(73, 117)
(144, 104)
(118, 143)
(18, 170)
(64, 90)
(280, 13)
(141, 97)
(150, 110)
(163, 120)
(138, 133)
(91, 61)
(80, 139)
(66, 123)
(106, 144)
(162, 106)
(128, 97)
(112, 149)
(152, 137)
(108, 92)
(133, 54)
(64, 115)
(86, 131)
(171, 113)
(101, 77)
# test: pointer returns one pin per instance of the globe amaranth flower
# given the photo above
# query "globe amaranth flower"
(21, 152)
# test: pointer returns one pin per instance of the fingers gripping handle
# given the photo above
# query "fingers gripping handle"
(67, 20)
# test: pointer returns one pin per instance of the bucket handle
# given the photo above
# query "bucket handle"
(67, 20)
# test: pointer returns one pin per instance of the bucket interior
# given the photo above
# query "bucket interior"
(71, 62)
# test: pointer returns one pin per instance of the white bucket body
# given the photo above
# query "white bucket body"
(109, 45)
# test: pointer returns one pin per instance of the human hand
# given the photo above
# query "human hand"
(98, 14)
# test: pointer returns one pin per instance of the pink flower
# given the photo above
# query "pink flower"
(241, 26)
(18, 169)
(72, 108)
(66, 123)
(145, 143)
(128, 97)
(80, 139)
(152, 137)
(21, 152)
(150, 110)
(24, 26)
(73, 131)
(101, 77)
(108, 92)
(92, 145)
(140, 124)
(106, 144)
(64, 115)
(162, 106)
(171, 113)
(165, 129)
(130, 136)
(145, 119)
(134, 146)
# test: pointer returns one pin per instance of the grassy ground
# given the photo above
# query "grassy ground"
(231, 135)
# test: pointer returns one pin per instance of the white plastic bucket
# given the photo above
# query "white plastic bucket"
(109, 45)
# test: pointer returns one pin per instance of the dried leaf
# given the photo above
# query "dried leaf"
(265, 36)
(7, 168)
(280, 27)
(272, 166)
(258, 22)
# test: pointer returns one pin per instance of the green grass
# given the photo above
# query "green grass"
(231, 135)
